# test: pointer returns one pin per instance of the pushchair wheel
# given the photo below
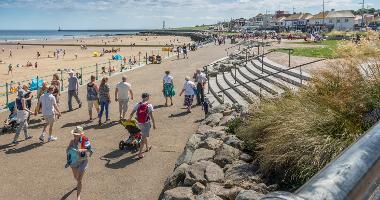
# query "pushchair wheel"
(121, 145)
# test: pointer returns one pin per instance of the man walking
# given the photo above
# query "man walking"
(201, 80)
(73, 90)
(49, 111)
(122, 91)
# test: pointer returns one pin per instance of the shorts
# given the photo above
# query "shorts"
(49, 119)
(81, 165)
(123, 105)
(145, 129)
(92, 103)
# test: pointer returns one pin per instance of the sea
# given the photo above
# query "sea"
(25, 35)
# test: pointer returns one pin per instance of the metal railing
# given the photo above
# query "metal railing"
(354, 174)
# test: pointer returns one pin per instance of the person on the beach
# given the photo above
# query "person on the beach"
(35, 65)
(184, 50)
(28, 98)
(10, 69)
(104, 99)
(81, 147)
(188, 89)
(122, 91)
(201, 80)
(10, 53)
(144, 114)
(22, 116)
(38, 54)
(92, 96)
(168, 88)
(49, 111)
(57, 85)
(73, 90)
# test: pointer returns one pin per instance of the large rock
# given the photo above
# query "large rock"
(218, 109)
(208, 196)
(213, 119)
(198, 188)
(223, 192)
(176, 178)
(249, 195)
(246, 157)
(211, 143)
(179, 193)
(202, 129)
(224, 121)
(214, 173)
(234, 141)
(217, 134)
(185, 157)
(194, 141)
(226, 155)
(202, 154)
(243, 175)
(196, 173)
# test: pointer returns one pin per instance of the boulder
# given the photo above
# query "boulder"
(198, 188)
(217, 134)
(194, 141)
(226, 155)
(228, 112)
(214, 173)
(196, 173)
(202, 129)
(234, 141)
(208, 196)
(176, 178)
(218, 109)
(249, 195)
(219, 128)
(242, 174)
(185, 157)
(223, 192)
(224, 121)
(246, 157)
(179, 193)
(211, 143)
(202, 154)
(213, 119)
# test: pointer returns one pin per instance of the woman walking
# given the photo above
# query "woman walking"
(189, 90)
(22, 116)
(104, 99)
(57, 87)
(168, 88)
(79, 150)
(92, 96)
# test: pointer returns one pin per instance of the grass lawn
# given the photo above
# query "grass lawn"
(324, 49)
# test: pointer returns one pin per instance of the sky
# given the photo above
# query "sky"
(145, 14)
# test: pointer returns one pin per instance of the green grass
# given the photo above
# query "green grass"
(324, 49)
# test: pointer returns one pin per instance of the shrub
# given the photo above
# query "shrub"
(296, 136)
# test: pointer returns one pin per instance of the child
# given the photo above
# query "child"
(206, 104)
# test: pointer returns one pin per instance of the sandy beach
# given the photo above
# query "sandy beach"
(73, 57)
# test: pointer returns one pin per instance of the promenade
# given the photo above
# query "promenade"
(32, 170)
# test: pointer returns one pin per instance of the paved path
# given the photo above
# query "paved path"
(32, 170)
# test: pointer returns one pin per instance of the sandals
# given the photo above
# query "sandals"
(148, 149)
(141, 156)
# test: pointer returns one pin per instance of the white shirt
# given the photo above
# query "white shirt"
(201, 78)
(124, 89)
(47, 102)
(168, 79)
(189, 86)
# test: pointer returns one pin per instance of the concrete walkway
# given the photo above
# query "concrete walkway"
(32, 170)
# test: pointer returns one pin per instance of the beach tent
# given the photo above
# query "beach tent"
(34, 84)
(117, 57)
(96, 54)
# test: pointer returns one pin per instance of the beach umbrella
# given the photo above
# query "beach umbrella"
(96, 54)
(117, 57)
(36, 82)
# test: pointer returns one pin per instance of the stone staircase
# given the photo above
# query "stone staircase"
(253, 82)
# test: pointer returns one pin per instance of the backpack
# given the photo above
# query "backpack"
(142, 113)
(91, 92)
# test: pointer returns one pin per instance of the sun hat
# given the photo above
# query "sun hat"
(77, 131)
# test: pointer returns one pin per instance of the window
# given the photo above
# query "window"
(346, 20)
(338, 21)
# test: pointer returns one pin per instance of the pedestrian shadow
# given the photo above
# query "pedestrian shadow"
(24, 148)
(181, 114)
(68, 194)
(67, 111)
(121, 163)
(36, 126)
(2, 147)
(159, 106)
(34, 121)
(74, 124)
(103, 126)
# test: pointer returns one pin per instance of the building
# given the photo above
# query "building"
(318, 22)
(297, 21)
(342, 20)
(366, 18)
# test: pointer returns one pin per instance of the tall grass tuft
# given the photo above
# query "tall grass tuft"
(297, 135)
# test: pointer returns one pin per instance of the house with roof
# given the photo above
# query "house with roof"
(297, 21)
(342, 20)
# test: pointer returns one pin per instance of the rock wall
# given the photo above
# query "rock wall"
(214, 166)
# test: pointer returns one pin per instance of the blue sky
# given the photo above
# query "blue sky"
(136, 14)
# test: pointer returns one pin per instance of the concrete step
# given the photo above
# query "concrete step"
(286, 77)
(241, 90)
(255, 89)
(272, 79)
(271, 88)
(291, 72)
(213, 101)
(230, 93)
(214, 89)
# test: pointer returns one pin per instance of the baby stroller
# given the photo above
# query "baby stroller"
(135, 138)
(10, 124)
